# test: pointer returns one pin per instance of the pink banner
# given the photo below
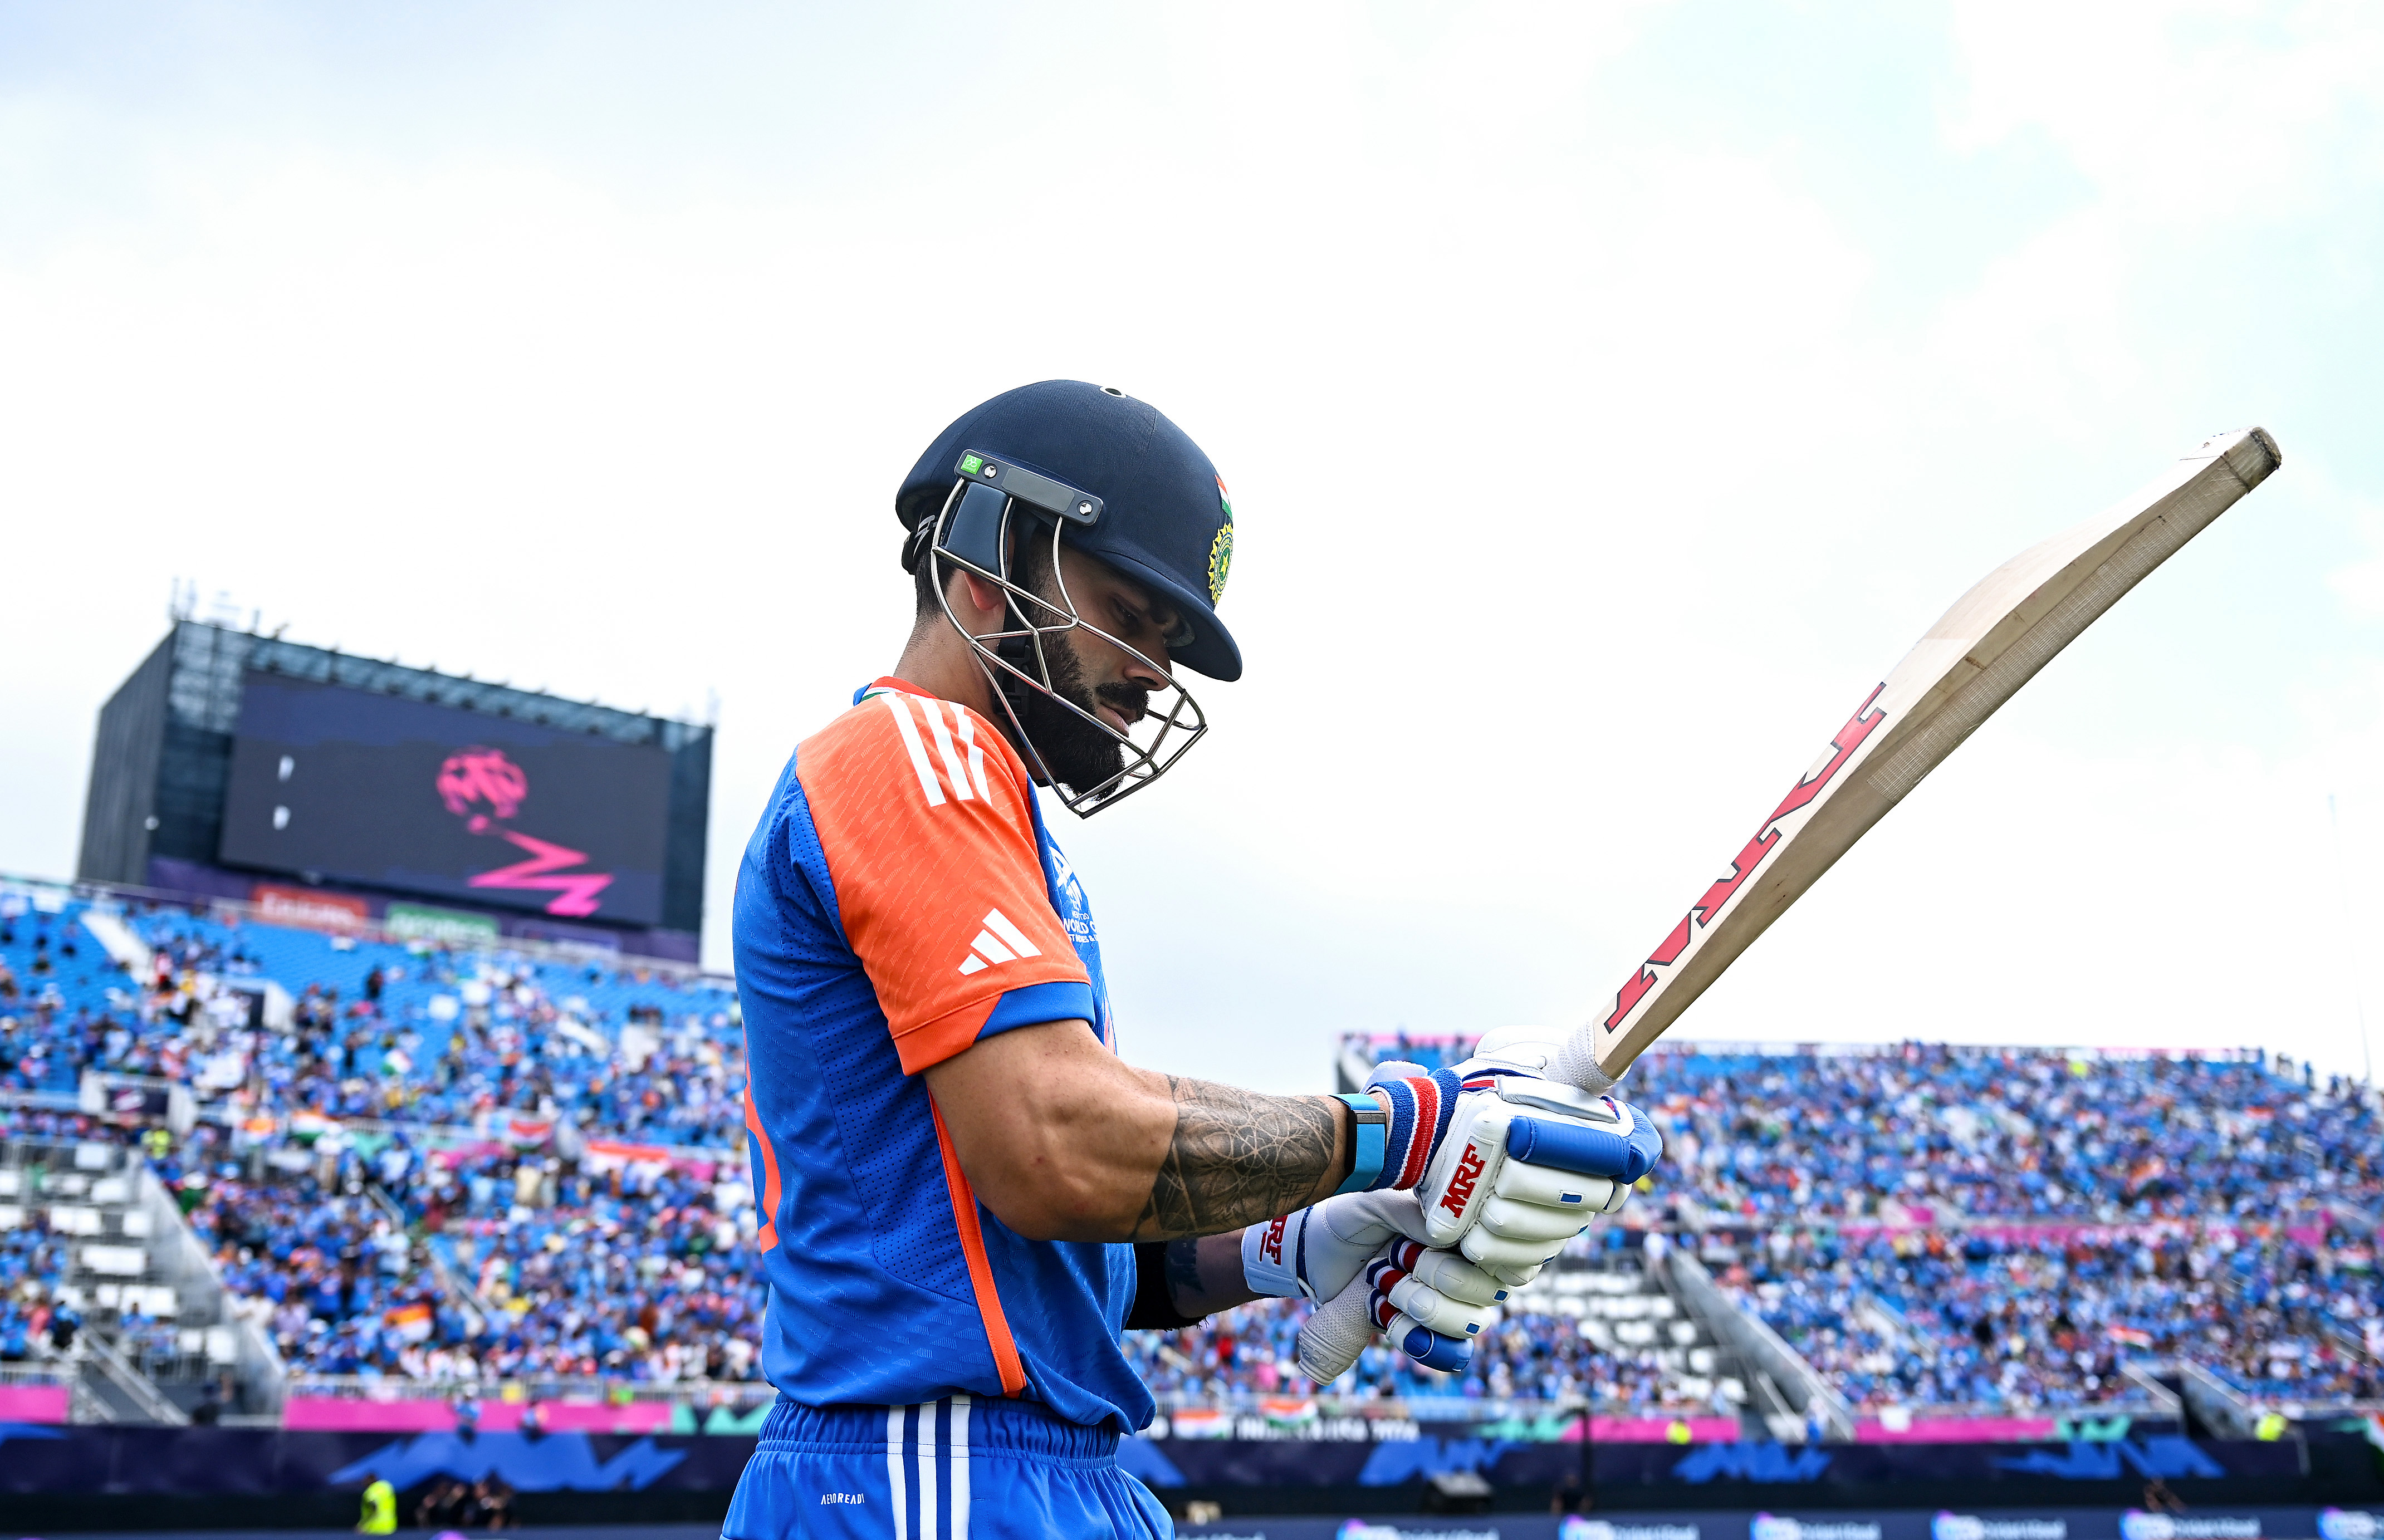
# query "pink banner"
(580, 1416)
(1958, 1430)
(346, 1415)
(1657, 1430)
(32, 1403)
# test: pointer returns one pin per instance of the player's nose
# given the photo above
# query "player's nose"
(1150, 674)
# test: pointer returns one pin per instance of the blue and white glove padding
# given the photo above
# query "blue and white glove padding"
(1429, 1304)
(1461, 1137)
(1315, 1253)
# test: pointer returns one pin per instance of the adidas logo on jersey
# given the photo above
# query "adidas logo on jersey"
(999, 942)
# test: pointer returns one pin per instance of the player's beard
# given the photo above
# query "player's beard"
(1078, 753)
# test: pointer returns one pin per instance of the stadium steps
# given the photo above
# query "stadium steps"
(2213, 1408)
(1628, 1310)
(126, 949)
(440, 1251)
(157, 1323)
(107, 1388)
(1800, 1397)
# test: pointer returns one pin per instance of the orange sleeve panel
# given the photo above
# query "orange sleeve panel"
(923, 812)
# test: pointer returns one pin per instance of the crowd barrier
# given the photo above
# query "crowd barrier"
(199, 1462)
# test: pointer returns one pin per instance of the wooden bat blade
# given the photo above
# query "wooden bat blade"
(1990, 644)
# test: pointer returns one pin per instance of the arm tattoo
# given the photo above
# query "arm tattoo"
(1235, 1159)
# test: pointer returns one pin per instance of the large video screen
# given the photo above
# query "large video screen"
(336, 783)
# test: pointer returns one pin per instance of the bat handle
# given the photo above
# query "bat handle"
(1576, 1063)
(1335, 1334)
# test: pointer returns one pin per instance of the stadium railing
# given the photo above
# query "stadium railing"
(362, 1403)
(1746, 1333)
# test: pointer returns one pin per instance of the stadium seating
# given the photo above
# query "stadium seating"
(2019, 1229)
(454, 1165)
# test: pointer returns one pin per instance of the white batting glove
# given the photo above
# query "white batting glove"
(1315, 1253)
(1429, 1304)
(1509, 1164)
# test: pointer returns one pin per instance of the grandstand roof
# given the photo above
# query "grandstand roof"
(210, 657)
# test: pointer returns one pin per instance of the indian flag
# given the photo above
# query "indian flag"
(1202, 1422)
(410, 1321)
(2127, 1337)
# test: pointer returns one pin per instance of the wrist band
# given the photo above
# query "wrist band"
(1371, 1129)
(1271, 1255)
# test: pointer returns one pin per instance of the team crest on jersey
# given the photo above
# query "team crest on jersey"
(1221, 549)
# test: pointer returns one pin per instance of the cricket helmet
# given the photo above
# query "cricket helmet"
(1089, 466)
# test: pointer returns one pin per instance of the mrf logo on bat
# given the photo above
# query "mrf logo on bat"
(1461, 1180)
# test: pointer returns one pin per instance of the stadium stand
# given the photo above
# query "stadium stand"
(415, 1170)
(2025, 1230)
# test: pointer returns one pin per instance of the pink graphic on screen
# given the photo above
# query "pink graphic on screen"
(478, 776)
(481, 786)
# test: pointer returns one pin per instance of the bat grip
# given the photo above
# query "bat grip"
(1576, 1063)
(1335, 1334)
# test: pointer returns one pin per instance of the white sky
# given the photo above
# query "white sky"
(1609, 393)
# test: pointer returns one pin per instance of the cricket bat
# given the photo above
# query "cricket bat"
(1990, 644)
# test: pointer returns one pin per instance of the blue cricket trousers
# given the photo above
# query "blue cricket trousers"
(958, 1469)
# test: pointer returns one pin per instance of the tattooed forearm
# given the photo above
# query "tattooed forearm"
(1237, 1158)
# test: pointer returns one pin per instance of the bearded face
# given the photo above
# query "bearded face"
(1080, 753)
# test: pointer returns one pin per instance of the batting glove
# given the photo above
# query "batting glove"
(1429, 1304)
(1508, 1164)
(1315, 1253)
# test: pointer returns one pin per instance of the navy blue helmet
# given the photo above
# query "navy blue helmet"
(1164, 519)
(1064, 462)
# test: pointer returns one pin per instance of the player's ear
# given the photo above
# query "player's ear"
(983, 596)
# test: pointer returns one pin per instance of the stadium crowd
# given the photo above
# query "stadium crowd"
(446, 1162)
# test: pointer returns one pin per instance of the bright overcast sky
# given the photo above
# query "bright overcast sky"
(1610, 395)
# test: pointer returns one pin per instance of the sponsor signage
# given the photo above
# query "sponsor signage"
(2139, 1525)
(1972, 1526)
(307, 909)
(418, 922)
(1769, 1526)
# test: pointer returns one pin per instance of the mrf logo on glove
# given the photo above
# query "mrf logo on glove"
(1462, 1182)
(1512, 1157)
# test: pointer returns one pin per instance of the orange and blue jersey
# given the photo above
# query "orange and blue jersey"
(899, 902)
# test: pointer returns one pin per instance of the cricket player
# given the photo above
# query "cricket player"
(966, 1195)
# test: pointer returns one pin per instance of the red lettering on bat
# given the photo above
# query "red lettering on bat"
(1461, 1180)
(1703, 912)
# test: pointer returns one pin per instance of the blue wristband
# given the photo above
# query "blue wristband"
(1371, 1129)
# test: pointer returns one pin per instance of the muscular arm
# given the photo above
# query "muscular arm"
(1064, 1141)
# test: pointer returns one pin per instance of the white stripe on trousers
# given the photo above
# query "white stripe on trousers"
(913, 1443)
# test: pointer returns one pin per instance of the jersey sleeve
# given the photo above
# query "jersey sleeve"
(925, 815)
